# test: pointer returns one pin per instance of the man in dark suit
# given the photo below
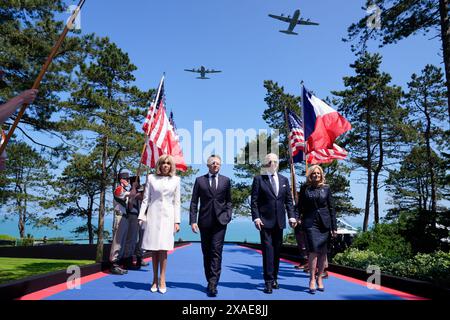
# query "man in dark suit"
(271, 199)
(214, 192)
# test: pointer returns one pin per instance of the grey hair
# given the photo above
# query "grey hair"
(270, 155)
(211, 157)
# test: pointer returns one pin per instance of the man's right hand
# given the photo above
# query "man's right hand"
(28, 96)
(258, 224)
(194, 228)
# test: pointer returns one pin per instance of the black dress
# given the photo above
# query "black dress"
(317, 216)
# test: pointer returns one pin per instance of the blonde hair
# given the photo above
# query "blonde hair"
(160, 162)
(310, 171)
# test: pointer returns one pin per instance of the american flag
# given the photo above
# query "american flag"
(160, 136)
(151, 112)
(327, 155)
(175, 146)
(297, 142)
(152, 127)
(296, 136)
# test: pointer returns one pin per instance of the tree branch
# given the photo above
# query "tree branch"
(114, 158)
(40, 144)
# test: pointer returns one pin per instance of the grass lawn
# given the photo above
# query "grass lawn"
(17, 268)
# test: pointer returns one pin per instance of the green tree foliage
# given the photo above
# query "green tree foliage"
(336, 176)
(384, 239)
(77, 189)
(425, 101)
(23, 187)
(245, 170)
(410, 186)
(372, 106)
(106, 105)
(403, 18)
(28, 31)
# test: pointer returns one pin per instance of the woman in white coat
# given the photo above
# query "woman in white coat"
(161, 210)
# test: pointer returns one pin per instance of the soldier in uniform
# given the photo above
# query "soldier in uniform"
(139, 252)
(121, 199)
(134, 204)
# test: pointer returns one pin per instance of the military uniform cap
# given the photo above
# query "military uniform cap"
(123, 175)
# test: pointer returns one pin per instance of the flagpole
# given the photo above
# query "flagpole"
(150, 123)
(304, 132)
(291, 160)
(44, 68)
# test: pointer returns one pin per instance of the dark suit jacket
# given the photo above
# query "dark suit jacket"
(212, 204)
(322, 208)
(269, 208)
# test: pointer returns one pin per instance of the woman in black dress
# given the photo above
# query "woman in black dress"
(318, 220)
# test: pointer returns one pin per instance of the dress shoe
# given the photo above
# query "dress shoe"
(211, 290)
(142, 262)
(324, 275)
(320, 288)
(115, 269)
(301, 266)
(129, 265)
(268, 288)
(275, 285)
(162, 290)
(312, 287)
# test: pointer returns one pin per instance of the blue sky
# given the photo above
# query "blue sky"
(239, 38)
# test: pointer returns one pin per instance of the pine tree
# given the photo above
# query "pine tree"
(426, 102)
(76, 191)
(28, 31)
(274, 115)
(403, 18)
(372, 106)
(23, 187)
(107, 105)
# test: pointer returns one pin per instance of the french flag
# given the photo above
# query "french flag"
(322, 123)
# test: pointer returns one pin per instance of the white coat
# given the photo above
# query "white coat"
(162, 202)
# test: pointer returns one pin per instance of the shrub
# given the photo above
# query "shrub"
(434, 267)
(359, 258)
(384, 239)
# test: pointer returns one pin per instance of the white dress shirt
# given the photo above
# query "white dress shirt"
(277, 188)
(210, 179)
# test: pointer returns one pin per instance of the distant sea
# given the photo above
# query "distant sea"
(240, 229)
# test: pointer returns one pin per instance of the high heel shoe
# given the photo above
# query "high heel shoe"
(162, 290)
(312, 290)
(321, 289)
(154, 288)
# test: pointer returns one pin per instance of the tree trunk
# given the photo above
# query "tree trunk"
(89, 220)
(369, 173)
(430, 160)
(445, 36)
(375, 179)
(22, 208)
(21, 223)
(101, 212)
(419, 188)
